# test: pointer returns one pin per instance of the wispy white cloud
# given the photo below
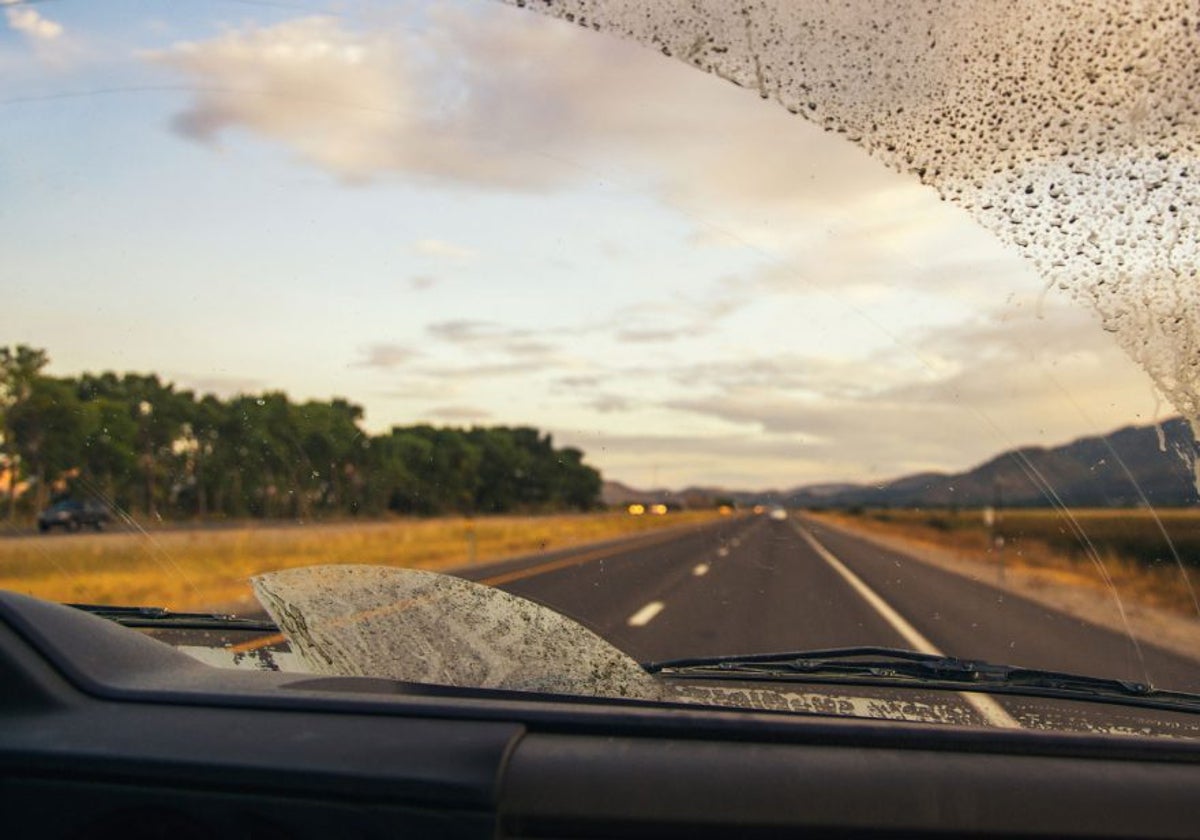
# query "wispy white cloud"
(223, 385)
(609, 403)
(30, 23)
(459, 413)
(45, 38)
(469, 102)
(1006, 378)
(440, 249)
(386, 355)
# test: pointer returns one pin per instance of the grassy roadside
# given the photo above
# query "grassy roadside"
(208, 568)
(1044, 545)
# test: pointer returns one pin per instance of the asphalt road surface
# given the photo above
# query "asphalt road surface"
(754, 584)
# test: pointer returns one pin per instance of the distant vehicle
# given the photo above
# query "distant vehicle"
(71, 515)
(778, 514)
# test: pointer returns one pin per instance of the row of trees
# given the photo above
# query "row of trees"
(140, 444)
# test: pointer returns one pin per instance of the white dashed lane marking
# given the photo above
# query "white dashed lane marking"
(646, 614)
(701, 570)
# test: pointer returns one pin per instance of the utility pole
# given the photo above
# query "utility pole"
(991, 519)
(145, 409)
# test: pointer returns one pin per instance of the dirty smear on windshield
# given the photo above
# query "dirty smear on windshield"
(1068, 130)
(423, 627)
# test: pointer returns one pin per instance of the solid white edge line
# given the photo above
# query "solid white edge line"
(646, 614)
(989, 709)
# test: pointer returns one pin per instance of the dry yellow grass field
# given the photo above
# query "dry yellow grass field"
(1128, 544)
(209, 568)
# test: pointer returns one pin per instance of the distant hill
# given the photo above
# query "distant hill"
(1088, 472)
(616, 494)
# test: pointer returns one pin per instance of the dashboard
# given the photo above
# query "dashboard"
(105, 732)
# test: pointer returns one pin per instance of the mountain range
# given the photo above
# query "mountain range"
(1132, 466)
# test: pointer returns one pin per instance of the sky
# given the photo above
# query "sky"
(463, 213)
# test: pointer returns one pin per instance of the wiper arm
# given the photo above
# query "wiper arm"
(895, 666)
(162, 617)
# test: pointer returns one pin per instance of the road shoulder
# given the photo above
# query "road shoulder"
(1175, 633)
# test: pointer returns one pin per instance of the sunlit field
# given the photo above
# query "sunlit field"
(1142, 554)
(207, 568)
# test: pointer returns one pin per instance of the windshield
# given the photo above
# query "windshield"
(716, 330)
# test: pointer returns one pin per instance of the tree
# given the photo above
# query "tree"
(20, 367)
(109, 447)
(47, 426)
(134, 438)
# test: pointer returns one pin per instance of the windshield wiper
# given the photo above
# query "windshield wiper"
(895, 666)
(162, 617)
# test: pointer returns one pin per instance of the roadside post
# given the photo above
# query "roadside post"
(472, 543)
(995, 539)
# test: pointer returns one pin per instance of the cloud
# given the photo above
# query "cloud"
(579, 381)
(458, 412)
(420, 390)
(31, 24)
(740, 460)
(1008, 377)
(659, 322)
(462, 331)
(421, 282)
(385, 355)
(491, 338)
(440, 249)
(222, 386)
(888, 243)
(47, 39)
(1022, 362)
(609, 403)
(362, 105)
(528, 348)
(485, 371)
(339, 99)
(655, 335)
(468, 101)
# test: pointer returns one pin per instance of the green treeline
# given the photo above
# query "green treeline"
(139, 444)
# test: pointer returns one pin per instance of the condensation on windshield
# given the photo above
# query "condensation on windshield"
(1068, 130)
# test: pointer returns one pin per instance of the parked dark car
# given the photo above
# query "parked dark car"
(71, 515)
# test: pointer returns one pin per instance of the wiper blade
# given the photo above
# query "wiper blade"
(896, 666)
(162, 617)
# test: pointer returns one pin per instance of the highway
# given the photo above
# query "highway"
(753, 584)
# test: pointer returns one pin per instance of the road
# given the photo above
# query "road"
(753, 584)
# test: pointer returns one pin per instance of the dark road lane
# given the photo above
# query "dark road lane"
(754, 584)
(751, 587)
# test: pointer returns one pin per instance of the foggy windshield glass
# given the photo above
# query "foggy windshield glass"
(891, 341)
